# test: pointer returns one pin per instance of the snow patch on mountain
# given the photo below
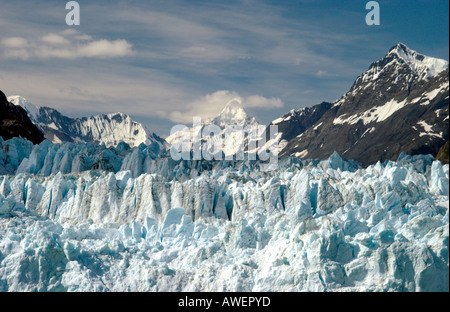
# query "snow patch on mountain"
(428, 96)
(377, 114)
(383, 112)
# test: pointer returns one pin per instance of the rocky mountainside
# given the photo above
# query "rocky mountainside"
(294, 123)
(108, 129)
(443, 154)
(400, 104)
(14, 122)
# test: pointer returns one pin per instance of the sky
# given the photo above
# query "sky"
(164, 61)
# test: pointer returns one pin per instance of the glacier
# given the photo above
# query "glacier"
(81, 217)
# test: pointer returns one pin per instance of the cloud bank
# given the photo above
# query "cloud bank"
(210, 105)
(65, 45)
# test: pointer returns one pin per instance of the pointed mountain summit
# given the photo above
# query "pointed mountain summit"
(423, 66)
(233, 114)
(399, 69)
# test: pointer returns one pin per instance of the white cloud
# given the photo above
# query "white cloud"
(69, 44)
(14, 42)
(83, 37)
(210, 105)
(55, 39)
(320, 73)
(69, 31)
(21, 54)
(76, 35)
(105, 48)
(262, 102)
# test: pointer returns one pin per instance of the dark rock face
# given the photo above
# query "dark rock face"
(393, 107)
(14, 122)
(443, 154)
(296, 122)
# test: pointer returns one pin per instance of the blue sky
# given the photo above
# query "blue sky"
(163, 61)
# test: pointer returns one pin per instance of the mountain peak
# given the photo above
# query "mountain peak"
(401, 66)
(3, 98)
(400, 47)
(406, 54)
(233, 109)
(118, 114)
(31, 109)
(233, 114)
(421, 65)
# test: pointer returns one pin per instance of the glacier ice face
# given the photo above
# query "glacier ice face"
(21, 156)
(143, 222)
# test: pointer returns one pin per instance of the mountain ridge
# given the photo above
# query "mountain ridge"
(109, 129)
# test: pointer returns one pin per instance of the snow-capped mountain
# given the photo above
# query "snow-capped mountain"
(232, 115)
(400, 104)
(108, 129)
(155, 224)
(405, 64)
